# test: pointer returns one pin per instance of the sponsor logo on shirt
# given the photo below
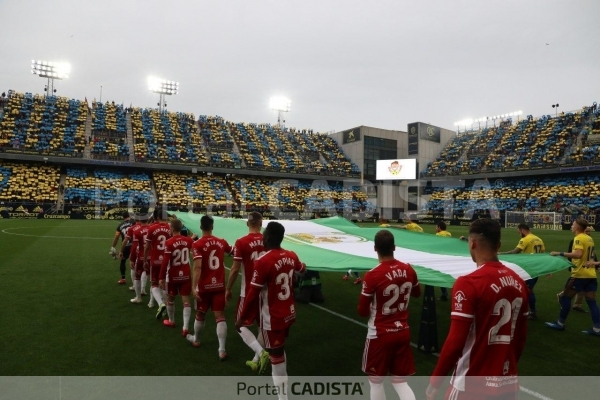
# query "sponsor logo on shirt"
(459, 297)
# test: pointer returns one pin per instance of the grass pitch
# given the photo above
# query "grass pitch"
(64, 314)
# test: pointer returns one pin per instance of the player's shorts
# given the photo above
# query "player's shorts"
(139, 267)
(155, 272)
(183, 288)
(274, 339)
(454, 394)
(252, 314)
(211, 300)
(389, 353)
(582, 284)
(531, 283)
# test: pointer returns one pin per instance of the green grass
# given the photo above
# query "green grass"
(64, 314)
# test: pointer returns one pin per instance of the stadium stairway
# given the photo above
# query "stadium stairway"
(236, 150)
(578, 142)
(130, 142)
(88, 137)
(60, 202)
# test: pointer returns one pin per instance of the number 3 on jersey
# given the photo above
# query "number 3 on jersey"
(284, 280)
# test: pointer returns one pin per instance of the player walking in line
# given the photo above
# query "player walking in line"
(583, 278)
(245, 250)
(488, 325)
(121, 233)
(139, 284)
(208, 282)
(529, 244)
(272, 285)
(385, 294)
(158, 234)
(175, 274)
(131, 238)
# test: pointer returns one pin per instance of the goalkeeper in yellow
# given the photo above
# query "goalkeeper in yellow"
(528, 244)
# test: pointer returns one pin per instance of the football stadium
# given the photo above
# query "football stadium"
(87, 180)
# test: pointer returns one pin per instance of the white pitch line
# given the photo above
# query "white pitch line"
(49, 236)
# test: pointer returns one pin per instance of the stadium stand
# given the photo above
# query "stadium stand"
(217, 138)
(109, 132)
(545, 142)
(336, 161)
(104, 187)
(180, 190)
(541, 193)
(43, 124)
(166, 137)
(29, 183)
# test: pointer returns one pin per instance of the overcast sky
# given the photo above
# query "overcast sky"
(343, 63)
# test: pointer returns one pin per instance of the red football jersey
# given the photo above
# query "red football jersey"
(140, 238)
(389, 286)
(157, 236)
(274, 273)
(212, 251)
(176, 259)
(495, 300)
(131, 234)
(246, 250)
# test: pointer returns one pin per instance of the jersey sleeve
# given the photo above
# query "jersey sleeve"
(368, 286)
(150, 235)
(237, 250)
(261, 273)
(577, 244)
(522, 244)
(298, 265)
(196, 251)
(464, 300)
(166, 260)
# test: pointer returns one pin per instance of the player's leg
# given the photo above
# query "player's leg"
(157, 293)
(123, 265)
(565, 304)
(578, 303)
(532, 309)
(591, 285)
(444, 295)
(201, 308)
(132, 274)
(137, 285)
(401, 363)
(278, 360)
(357, 279)
(248, 337)
(218, 306)
(144, 280)
(170, 322)
(375, 363)
(185, 290)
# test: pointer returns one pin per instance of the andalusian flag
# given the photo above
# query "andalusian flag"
(336, 244)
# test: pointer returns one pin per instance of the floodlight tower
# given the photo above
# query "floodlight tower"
(163, 88)
(50, 70)
(280, 104)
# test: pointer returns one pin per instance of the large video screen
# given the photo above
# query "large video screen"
(396, 169)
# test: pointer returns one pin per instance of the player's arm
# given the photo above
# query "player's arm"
(366, 296)
(233, 274)
(516, 250)
(575, 254)
(162, 275)
(123, 243)
(250, 303)
(521, 333)
(147, 246)
(451, 351)
(113, 251)
(416, 290)
(196, 273)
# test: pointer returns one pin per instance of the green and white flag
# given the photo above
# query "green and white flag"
(336, 244)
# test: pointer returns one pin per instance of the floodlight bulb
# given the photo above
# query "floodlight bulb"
(280, 103)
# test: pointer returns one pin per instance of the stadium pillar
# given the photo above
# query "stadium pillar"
(428, 341)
